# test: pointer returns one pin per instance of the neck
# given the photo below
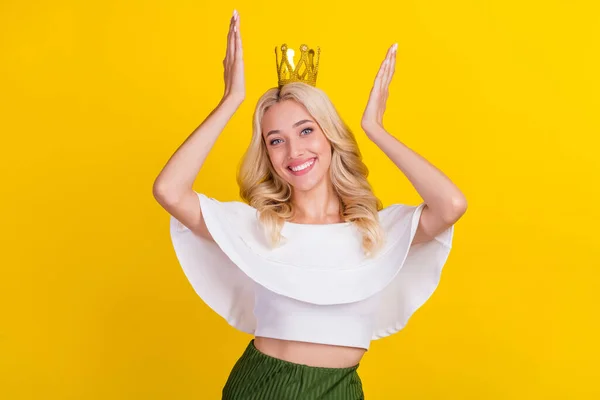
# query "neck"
(320, 205)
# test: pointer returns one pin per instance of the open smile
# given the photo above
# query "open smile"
(304, 168)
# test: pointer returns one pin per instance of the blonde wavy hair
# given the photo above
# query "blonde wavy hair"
(262, 188)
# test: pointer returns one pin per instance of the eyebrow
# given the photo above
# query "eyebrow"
(293, 126)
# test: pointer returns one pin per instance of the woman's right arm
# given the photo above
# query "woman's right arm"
(173, 188)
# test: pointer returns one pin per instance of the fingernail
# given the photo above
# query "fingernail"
(235, 14)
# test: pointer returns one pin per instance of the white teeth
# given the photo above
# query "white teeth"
(303, 166)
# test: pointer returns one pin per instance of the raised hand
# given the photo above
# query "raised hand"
(373, 115)
(233, 63)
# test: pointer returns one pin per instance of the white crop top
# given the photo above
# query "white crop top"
(317, 286)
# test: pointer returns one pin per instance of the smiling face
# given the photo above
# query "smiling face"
(297, 147)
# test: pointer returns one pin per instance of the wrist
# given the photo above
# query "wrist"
(373, 130)
(234, 100)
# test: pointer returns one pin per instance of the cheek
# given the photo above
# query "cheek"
(325, 154)
(326, 158)
(324, 148)
(276, 158)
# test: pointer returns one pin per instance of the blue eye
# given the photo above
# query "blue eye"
(305, 131)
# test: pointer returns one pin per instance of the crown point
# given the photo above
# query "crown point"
(305, 70)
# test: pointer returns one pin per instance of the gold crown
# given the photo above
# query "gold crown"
(305, 71)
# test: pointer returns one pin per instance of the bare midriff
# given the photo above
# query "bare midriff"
(311, 354)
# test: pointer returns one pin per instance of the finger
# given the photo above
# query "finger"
(379, 75)
(239, 53)
(388, 60)
(227, 44)
(230, 40)
(386, 65)
(391, 55)
(393, 63)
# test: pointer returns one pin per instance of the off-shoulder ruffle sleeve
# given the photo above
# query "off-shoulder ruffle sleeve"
(318, 264)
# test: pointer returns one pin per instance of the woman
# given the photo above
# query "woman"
(309, 263)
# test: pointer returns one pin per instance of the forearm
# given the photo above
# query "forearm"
(180, 172)
(442, 196)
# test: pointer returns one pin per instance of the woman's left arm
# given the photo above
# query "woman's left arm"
(444, 202)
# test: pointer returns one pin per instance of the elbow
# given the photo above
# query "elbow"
(157, 190)
(457, 207)
(162, 194)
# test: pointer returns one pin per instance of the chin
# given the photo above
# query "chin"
(307, 182)
(303, 186)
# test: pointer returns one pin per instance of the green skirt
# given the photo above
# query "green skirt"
(259, 376)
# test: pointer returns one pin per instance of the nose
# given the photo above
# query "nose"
(295, 148)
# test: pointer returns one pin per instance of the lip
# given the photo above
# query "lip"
(304, 171)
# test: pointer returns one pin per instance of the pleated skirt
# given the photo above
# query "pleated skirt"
(259, 376)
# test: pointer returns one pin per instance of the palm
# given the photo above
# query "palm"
(233, 63)
(373, 114)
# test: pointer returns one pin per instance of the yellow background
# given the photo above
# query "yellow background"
(502, 95)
